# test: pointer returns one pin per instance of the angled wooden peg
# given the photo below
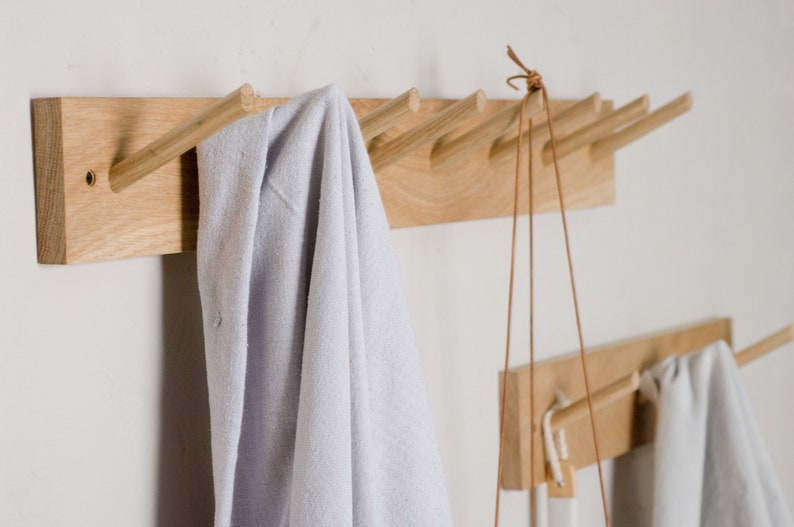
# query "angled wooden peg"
(772, 342)
(448, 154)
(185, 136)
(390, 113)
(655, 119)
(565, 122)
(629, 384)
(597, 130)
(601, 398)
(428, 131)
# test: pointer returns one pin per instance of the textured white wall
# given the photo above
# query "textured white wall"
(102, 389)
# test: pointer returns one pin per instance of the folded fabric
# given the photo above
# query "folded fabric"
(319, 411)
(711, 468)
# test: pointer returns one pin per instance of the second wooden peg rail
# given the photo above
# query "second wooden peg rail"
(116, 178)
(624, 423)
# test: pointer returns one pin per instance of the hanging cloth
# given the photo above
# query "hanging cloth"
(318, 406)
(555, 511)
(711, 468)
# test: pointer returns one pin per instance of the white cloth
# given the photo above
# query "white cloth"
(318, 406)
(555, 512)
(562, 512)
(711, 468)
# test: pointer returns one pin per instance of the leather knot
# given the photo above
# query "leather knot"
(533, 78)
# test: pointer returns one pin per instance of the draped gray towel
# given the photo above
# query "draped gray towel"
(318, 407)
(711, 468)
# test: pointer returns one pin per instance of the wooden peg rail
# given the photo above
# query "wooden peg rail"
(116, 178)
(624, 422)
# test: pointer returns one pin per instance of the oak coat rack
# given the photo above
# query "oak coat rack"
(624, 420)
(116, 177)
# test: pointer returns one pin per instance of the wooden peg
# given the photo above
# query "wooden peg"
(601, 398)
(450, 153)
(428, 131)
(179, 140)
(772, 342)
(655, 119)
(390, 113)
(597, 130)
(630, 383)
(564, 123)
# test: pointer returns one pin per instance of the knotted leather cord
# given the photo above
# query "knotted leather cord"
(509, 322)
(535, 82)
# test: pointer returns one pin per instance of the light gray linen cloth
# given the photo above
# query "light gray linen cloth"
(318, 406)
(555, 512)
(711, 468)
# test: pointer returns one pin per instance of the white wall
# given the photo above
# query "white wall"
(102, 389)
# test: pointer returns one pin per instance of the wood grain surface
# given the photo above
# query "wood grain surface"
(78, 222)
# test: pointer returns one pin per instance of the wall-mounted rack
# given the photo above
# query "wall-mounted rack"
(624, 420)
(115, 177)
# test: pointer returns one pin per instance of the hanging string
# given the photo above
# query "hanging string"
(500, 464)
(535, 82)
(533, 511)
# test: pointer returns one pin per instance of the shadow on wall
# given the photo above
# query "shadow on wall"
(184, 491)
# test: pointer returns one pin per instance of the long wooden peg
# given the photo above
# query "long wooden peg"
(450, 153)
(772, 342)
(390, 113)
(655, 119)
(565, 122)
(597, 130)
(428, 131)
(629, 384)
(185, 136)
(602, 398)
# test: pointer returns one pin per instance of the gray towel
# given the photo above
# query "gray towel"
(711, 468)
(318, 406)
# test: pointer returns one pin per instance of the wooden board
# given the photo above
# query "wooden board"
(159, 215)
(622, 426)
